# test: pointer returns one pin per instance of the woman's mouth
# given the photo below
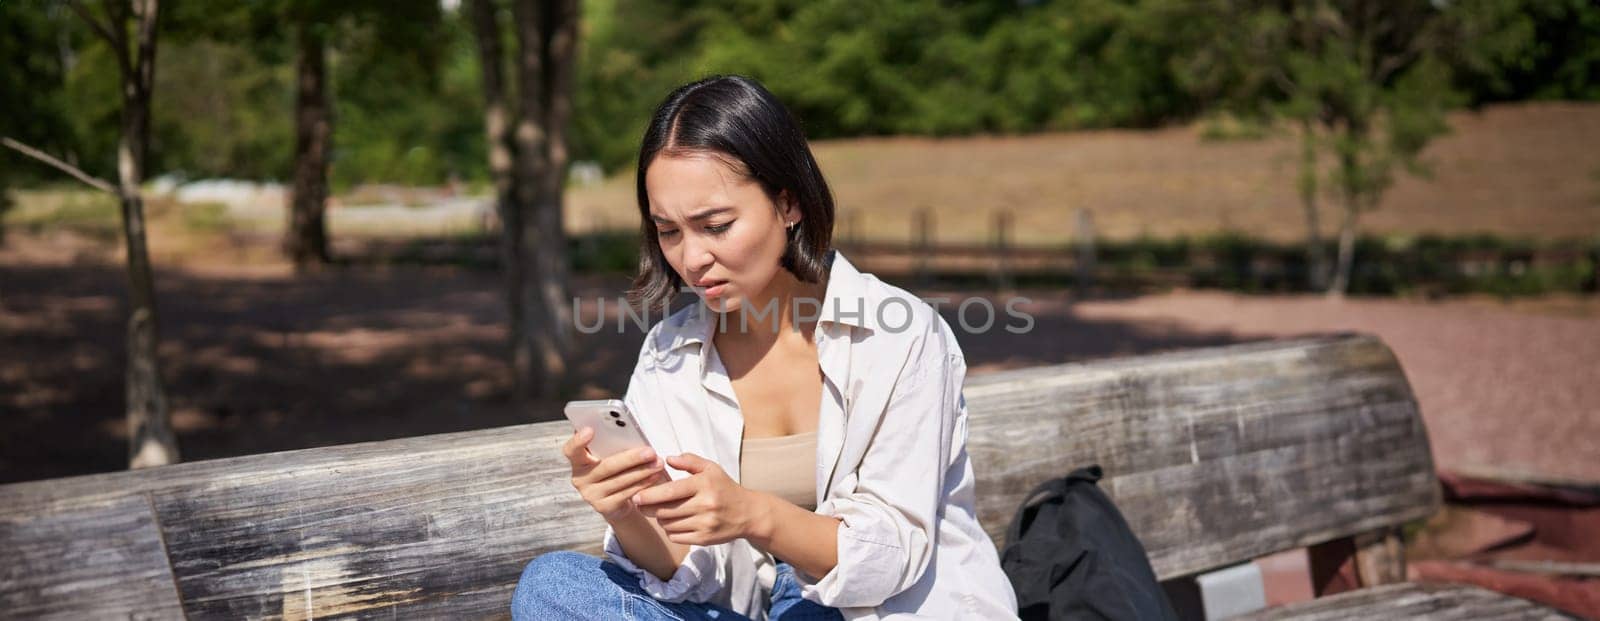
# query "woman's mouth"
(715, 289)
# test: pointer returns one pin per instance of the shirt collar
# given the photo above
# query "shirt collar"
(846, 300)
(844, 303)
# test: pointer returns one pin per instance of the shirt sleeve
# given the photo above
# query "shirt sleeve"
(889, 529)
(698, 578)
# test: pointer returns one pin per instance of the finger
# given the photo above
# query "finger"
(666, 492)
(675, 510)
(690, 462)
(677, 525)
(688, 538)
(626, 479)
(579, 440)
(621, 462)
(576, 449)
(651, 510)
(623, 498)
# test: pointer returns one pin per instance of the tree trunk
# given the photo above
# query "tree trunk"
(1316, 257)
(306, 240)
(497, 127)
(151, 441)
(561, 49)
(1347, 245)
(546, 317)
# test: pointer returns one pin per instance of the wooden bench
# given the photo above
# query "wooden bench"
(1216, 456)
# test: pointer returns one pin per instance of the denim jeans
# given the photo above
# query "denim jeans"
(573, 585)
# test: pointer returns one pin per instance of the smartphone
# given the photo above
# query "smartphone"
(615, 430)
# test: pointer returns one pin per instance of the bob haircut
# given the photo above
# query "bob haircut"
(736, 120)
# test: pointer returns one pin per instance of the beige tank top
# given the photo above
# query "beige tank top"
(784, 466)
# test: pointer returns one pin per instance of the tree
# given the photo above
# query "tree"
(528, 157)
(402, 28)
(497, 122)
(1366, 82)
(305, 239)
(151, 441)
(30, 87)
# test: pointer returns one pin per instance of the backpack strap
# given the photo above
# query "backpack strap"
(1053, 489)
(1090, 473)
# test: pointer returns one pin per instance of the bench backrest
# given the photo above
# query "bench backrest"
(1215, 456)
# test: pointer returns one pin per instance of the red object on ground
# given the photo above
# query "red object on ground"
(1579, 596)
(1565, 534)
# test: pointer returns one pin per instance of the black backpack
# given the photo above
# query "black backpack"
(1070, 555)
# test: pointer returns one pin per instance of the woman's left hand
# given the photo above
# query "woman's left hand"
(706, 508)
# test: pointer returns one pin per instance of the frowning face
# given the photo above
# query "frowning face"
(719, 230)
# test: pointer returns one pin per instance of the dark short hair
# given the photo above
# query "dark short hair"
(735, 119)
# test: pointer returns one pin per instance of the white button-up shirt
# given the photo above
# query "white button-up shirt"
(891, 459)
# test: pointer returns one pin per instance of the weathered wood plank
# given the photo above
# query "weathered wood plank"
(393, 532)
(1215, 456)
(432, 525)
(92, 560)
(1411, 600)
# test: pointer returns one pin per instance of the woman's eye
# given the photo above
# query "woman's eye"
(666, 233)
(719, 228)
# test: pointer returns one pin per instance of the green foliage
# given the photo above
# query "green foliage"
(67, 205)
(1429, 264)
(610, 252)
(1373, 87)
(408, 118)
(31, 101)
(203, 217)
(1224, 127)
(1367, 85)
(894, 67)
(408, 105)
(206, 91)
(224, 93)
(1530, 49)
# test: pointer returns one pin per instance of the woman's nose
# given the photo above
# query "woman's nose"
(697, 257)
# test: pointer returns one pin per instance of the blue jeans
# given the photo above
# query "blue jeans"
(573, 585)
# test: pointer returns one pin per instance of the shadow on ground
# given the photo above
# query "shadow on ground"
(267, 363)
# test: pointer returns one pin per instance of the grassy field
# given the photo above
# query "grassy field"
(1515, 170)
(1524, 170)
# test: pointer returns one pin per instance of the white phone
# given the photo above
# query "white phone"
(615, 430)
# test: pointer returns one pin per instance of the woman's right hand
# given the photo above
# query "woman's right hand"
(608, 485)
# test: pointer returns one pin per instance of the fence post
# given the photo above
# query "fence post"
(855, 228)
(1594, 269)
(1002, 249)
(1086, 253)
(843, 229)
(922, 224)
(852, 221)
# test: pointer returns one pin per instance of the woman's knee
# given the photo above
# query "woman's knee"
(557, 581)
(557, 564)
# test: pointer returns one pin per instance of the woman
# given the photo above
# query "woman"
(796, 379)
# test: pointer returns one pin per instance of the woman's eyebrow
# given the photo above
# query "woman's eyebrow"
(699, 216)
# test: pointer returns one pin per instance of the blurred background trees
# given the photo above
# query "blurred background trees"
(526, 129)
(407, 99)
(128, 33)
(1367, 84)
